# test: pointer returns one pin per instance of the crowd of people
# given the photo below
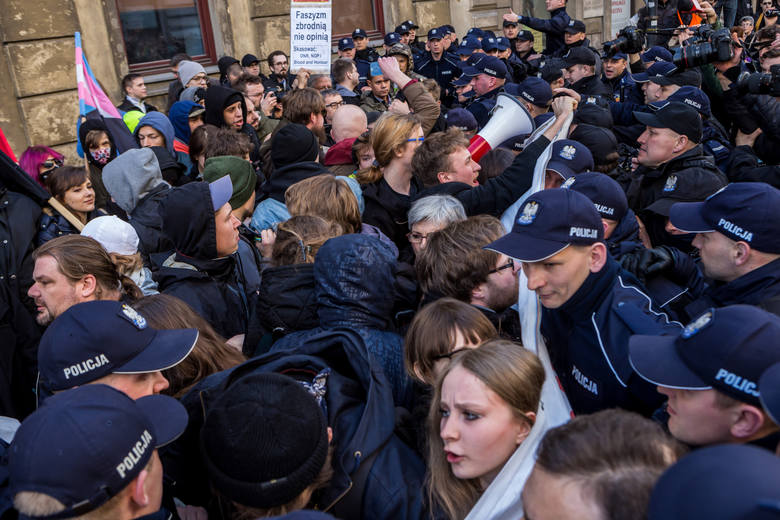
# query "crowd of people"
(300, 294)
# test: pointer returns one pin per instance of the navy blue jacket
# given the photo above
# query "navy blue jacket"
(624, 88)
(359, 408)
(759, 287)
(443, 71)
(587, 338)
(481, 106)
(553, 28)
(354, 288)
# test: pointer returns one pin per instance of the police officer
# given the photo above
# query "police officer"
(109, 342)
(580, 72)
(93, 450)
(535, 94)
(738, 240)
(669, 149)
(362, 50)
(617, 76)
(488, 76)
(553, 28)
(415, 44)
(436, 64)
(710, 371)
(590, 306)
(468, 46)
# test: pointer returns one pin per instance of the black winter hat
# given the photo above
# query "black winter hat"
(293, 143)
(264, 440)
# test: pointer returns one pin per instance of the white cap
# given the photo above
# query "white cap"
(113, 233)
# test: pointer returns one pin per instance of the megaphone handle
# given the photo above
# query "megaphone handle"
(478, 147)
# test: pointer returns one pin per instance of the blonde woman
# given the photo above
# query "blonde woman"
(484, 407)
(387, 184)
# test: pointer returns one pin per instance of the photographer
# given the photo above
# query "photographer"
(751, 101)
(760, 98)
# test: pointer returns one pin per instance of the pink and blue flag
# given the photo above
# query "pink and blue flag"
(95, 104)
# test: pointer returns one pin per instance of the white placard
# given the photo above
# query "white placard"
(310, 29)
(621, 15)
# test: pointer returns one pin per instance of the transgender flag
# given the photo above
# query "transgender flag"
(95, 104)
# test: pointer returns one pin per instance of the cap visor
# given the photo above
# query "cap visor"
(640, 77)
(648, 119)
(686, 216)
(656, 361)
(167, 415)
(464, 51)
(561, 169)
(470, 71)
(167, 349)
(662, 206)
(769, 391)
(221, 191)
(525, 248)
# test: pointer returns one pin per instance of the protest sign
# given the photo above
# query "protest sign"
(310, 30)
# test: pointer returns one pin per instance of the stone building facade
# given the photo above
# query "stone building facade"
(38, 100)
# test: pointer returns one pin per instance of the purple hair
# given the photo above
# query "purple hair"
(33, 157)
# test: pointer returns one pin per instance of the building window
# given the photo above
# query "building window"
(350, 14)
(155, 30)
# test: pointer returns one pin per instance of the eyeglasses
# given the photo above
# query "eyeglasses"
(509, 265)
(52, 163)
(449, 354)
(335, 104)
(415, 237)
(416, 139)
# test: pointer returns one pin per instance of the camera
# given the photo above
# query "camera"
(706, 46)
(760, 82)
(629, 40)
(278, 92)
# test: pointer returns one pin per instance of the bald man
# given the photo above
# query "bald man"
(349, 122)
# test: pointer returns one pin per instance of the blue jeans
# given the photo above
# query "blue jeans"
(729, 12)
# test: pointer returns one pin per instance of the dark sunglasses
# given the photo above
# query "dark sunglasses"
(53, 163)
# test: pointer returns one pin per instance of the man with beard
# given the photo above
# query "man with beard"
(455, 264)
(73, 269)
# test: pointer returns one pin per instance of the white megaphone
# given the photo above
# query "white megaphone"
(510, 118)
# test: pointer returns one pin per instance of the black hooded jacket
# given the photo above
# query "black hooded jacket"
(210, 285)
(217, 99)
(287, 175)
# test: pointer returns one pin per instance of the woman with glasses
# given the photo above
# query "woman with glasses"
(71, 187)
(483, 409)
(39, 162)
(388, 187)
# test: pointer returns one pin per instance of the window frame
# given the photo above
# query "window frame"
(163, 66)
(379, 15)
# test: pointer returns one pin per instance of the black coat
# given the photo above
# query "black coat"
(18, 218)
(285, 304)
(146, 221)
(127, 106)
(18, 357)
(359, 409)
(210, 285)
